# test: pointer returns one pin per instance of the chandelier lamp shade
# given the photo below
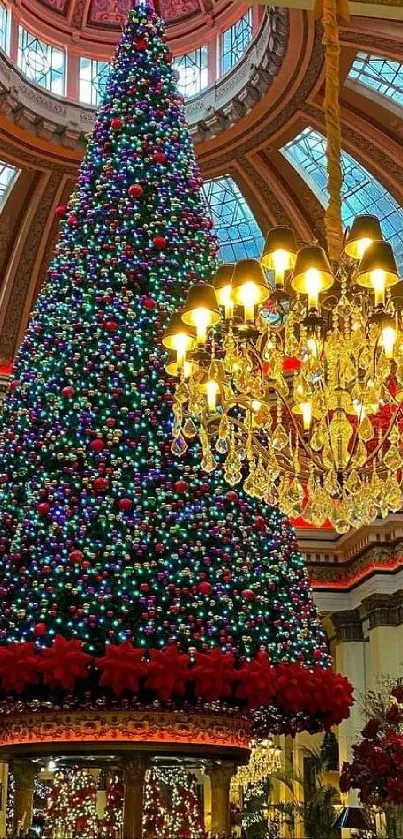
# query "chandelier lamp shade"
(298, 387)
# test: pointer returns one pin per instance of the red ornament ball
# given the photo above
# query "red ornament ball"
(159, 157)
(181, 486)
(76, 556)
(144, 587)
(97, 445)
(116, 124)
(248, 594)
(111, 325)
(317, 655)
(68, 391)
(125, 504)
(160, 242)
(149, 303)
(260, 523)
(43, 508)
(141, 44)
(232, 496)
(205, 587)
(72, 220)
(135, 191)
(60, 211)
(100, 484)
(40, 629)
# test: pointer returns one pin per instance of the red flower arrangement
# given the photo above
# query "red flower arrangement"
(167, 674)
(377, 766)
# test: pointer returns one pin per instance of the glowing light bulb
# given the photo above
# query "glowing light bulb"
(225, 299)
(313, 346)
(361, 246)
(181, 346)
(313, 287)
(378, 284)
(281, 262)
(201, 320)
(306, 411)
(249, 297)
(256, 405)
(212, 389)
(388, 339)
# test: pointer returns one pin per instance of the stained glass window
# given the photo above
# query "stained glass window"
(362, 193)
(41, 63)
(8, 176)
(235, 40)
(378, 73)
(193, 71)
(93, 78)
(4, 28)
(235, 225)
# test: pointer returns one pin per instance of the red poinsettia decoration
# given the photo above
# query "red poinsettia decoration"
(168, 672)
(19, 666)
(64, 663)
(377, 766)
(257, 681)
(213, 674)
(122, 668)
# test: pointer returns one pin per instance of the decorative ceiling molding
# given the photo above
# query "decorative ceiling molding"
(66, 123)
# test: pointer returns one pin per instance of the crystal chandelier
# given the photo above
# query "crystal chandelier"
(290, 368)
(265, 759)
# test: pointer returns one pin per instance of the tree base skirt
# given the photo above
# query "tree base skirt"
(118, 731)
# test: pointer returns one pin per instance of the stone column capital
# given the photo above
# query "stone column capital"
(347, 625)
(134, 769)
(383, 609)
(220, 774)
(24, 773)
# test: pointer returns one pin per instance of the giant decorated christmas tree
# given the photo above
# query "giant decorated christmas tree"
(124, 572)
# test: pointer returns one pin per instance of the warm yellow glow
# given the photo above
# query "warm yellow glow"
(181, 344)
(224, 297)
(201, 320)
(388, 338)
(212, 389)
(378, 282)
(313, 286)
(313, 346)
(282, 262)
(248, 295)
(361, 246)
(306, 411)
(256, 405)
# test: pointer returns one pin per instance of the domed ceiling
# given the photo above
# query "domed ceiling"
(184, 17)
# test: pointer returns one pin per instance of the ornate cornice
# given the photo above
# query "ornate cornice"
(347, 625)
(383, 609)
(66, 123)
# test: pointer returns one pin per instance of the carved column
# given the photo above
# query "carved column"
(384, 614)
(134, 771)
(350, 660)
(220, 780)
(24, 776)
(3, 801)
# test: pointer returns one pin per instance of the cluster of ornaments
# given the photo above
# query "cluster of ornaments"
(104, 535)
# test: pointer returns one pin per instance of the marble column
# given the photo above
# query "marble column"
(134, 770)
(351, 662)
(383, 614)
(3, 798)
(220, 780)
(24, 776)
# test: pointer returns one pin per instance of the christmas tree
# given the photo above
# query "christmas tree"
(112, 550)
(171, 805)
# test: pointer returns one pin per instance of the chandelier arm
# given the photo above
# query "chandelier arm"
(308, 451)
(384, 436)
(331, 108)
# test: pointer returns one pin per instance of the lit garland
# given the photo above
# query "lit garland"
(72, 804)
(263, 761)
(104, 536)
(171, 806)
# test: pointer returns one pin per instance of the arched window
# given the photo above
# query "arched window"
(362, 193)
(380, 74)
(192, 68)
(235, 41)
(8, 176)
(93, 78)
(235, 225)
(42, 63)
(4, 28)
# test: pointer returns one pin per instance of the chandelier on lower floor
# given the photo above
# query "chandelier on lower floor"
(291, 368)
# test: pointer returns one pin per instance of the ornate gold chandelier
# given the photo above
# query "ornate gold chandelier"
(265, 759)
(291, 368)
